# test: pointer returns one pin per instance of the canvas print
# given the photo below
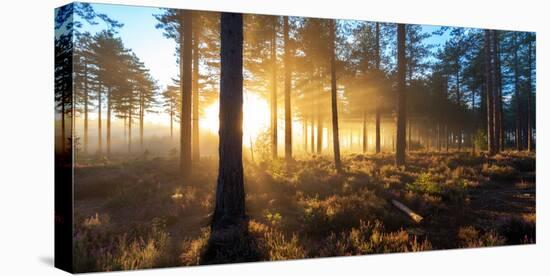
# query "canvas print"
(190, 137)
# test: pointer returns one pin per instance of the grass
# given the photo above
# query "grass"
(137, 213)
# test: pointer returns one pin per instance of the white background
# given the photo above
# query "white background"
(26, 136)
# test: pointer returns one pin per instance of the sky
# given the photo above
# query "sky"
(156, 51)
(149, 44)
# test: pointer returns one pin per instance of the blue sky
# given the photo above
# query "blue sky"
(140, 35)
(156, 51)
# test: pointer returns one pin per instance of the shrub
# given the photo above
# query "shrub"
(518, 230)
(471, 237)
(369, 238)
(499, 172)
(425, 184)
(322, 216)
(99, 248)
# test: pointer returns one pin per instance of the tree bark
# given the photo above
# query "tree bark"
(401, 97)
(85, 107)
(185, 42)
(529, 95)
(130, 130)
(365, 141)
(274, 134)
(230, 196)
(517, 139)
(499, 133)
(334, 98)
(99, 128)
(195, 87)
(490, 101)
(378, 100)
(141, 117)
(288, 116)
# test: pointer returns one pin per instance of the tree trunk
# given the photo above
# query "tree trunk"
(319, 134)
(401, 97)
(334, 98)
(379, 98)
(108, 138)
(288, 117)
(141, 117)
(438, 138)
(312, 135)
(529, 104)
(99, 129)
(365, 141)
(130, 131)
(171, 122)
(195, 87)
(499, 134)
(274, 134)
(446, 138)
(517, 139)
(63, 134)
(230, 203)
(409, 136)
(490, 101)
(85, 108)
(186, 45)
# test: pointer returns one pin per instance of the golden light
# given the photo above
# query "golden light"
(256, 117)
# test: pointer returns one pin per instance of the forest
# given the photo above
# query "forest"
(281, 137)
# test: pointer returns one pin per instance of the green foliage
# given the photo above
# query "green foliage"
(480, 139)
(425, 184)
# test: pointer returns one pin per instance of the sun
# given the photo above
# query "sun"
(255, 120)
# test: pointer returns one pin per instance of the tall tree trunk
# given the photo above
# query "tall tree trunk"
(401, 97)
(186, 44)
(99, 128)
(379, 98)
(458, 101)
(490, 101)
(446, 138)
(141, 117)
(230, 203)
(195, 87)
(312, 135)
(108, 138)
(438, 138)
(319, 133)
(499, 133)
(63, 128)
(518, 141)
(130, 130)
(85, 108)
(320, 126)
(125, 133)
(171, 121)
(365, 141)
(304, 134)
(529, 95)
(274, 134)
(409, 136)
(334, 98)
(288, 116)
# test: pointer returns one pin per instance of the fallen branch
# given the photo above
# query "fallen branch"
(414, 216)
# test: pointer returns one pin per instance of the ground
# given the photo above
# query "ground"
(137, 213)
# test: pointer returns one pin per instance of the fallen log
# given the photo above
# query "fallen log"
(414, 216)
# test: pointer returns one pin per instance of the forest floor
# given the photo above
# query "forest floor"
(137, 213)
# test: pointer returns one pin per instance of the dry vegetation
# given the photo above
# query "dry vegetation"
(135, 213)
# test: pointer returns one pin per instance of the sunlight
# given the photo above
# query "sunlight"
(256, 117)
